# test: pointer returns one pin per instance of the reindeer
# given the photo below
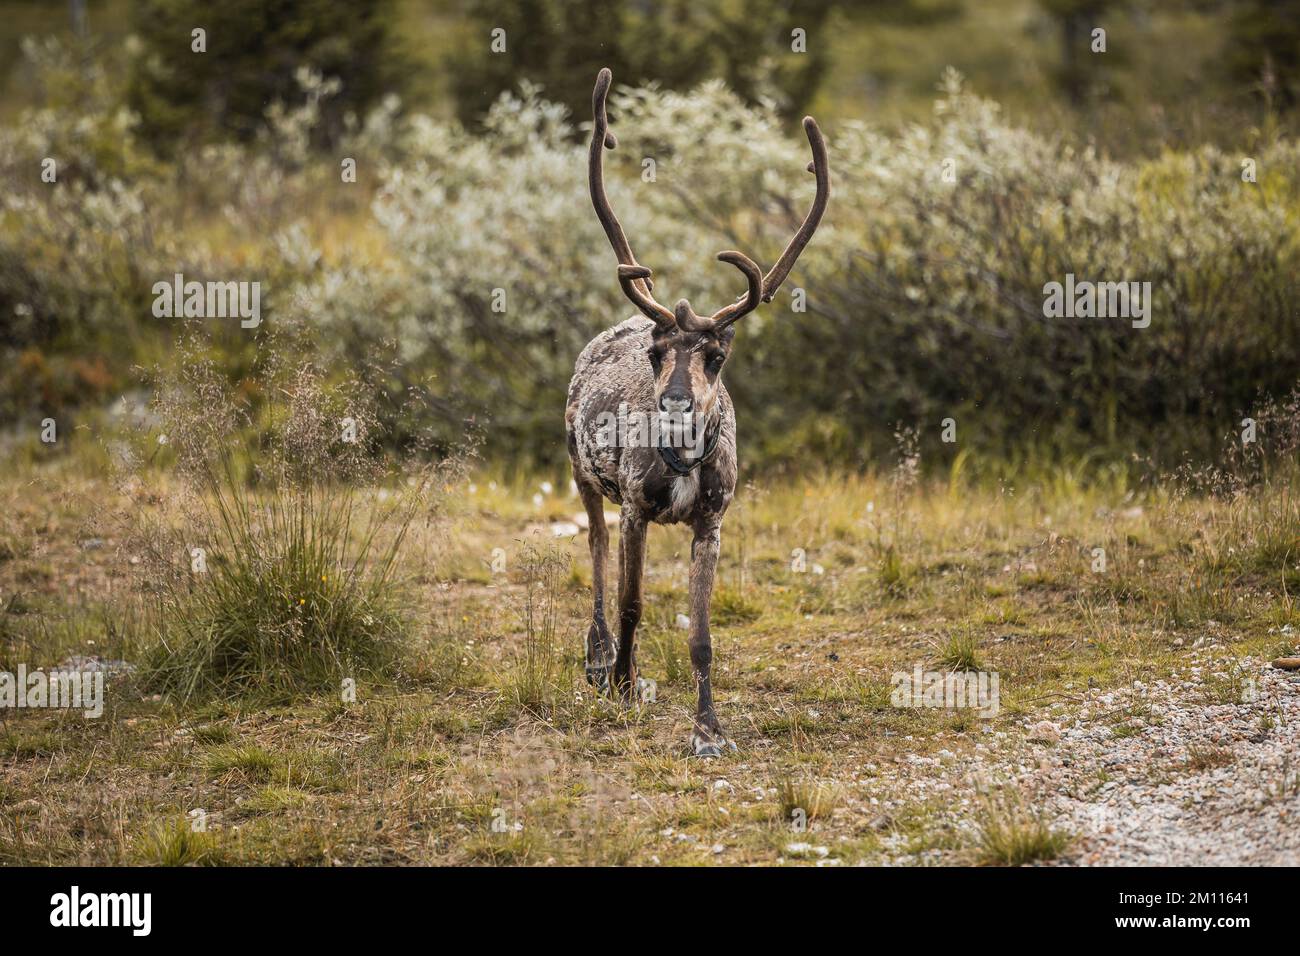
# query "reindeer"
(666, 365)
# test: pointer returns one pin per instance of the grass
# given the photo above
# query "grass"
(959, 652)
(1009, 833)
(731, 606)
(1229, 686)
(667, 656)
(176, 843)
(23, 746)
(1285, 785)
(894, 578)
(248, 760)
(803, 801)
(213, 734)
(287, 604)
(485, 710)
(294, 585)
(275, 799)
(539, 679)
(1208, 757)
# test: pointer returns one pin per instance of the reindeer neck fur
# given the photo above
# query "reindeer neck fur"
(613, 373)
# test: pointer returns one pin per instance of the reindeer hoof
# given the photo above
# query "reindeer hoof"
(598, 677)
(705, 744)
(631, 688)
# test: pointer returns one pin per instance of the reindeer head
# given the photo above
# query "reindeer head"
(689, 350)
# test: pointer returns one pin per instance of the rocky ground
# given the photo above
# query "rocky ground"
(1199, 780)
(1199, 769)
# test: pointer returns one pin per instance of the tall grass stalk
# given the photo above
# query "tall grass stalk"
(296, 583)
(537, 682)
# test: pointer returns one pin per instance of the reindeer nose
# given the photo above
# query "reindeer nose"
(675, 401)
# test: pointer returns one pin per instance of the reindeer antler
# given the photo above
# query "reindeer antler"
(761, 289)
(635, 278)
(821, 169)
(632, 276)
(629, 277)
(728, 314)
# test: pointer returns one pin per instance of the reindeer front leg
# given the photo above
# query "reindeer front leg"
(600, 643)
(631, 559)
(707, 737)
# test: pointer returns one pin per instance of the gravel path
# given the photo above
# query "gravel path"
(1201, 769)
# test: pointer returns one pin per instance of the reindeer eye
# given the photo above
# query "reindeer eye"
(715, 363)
(655, 360)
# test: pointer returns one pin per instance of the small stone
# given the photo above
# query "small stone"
(804, 849)
(1045, 731)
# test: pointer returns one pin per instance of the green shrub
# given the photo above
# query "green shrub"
(924, 297)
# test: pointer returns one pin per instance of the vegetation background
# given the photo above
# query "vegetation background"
(924, 296)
